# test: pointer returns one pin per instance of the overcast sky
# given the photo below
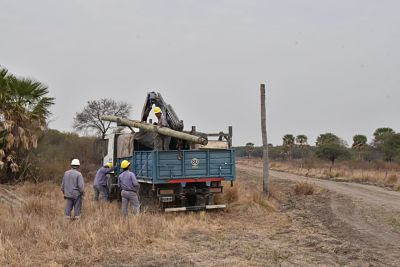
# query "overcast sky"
(329, 66)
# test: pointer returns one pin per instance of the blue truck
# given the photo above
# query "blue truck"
(185, 177)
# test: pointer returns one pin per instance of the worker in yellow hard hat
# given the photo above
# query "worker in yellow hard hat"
(129, 186)
(161, 142)
(100, 182)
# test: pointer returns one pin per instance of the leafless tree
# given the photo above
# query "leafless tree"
(89, 119)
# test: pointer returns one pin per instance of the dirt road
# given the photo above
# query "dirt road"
(366, 216)
(369, 194)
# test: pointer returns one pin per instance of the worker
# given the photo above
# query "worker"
(161, 142)
(72, 187)
(100, 182)
(129, 188)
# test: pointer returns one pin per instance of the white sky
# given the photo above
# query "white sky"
(330, 65)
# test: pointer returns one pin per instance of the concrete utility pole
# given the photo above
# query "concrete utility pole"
(264, 140)
(157, 129)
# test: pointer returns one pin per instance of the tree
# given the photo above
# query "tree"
(301, 140)
(24, 108)
(359, 141)
(391, 147)
(330, 147)
(249, 148)
(331, 152)
(90, 117)
(288, 144)
(328, 138)
(381, 134)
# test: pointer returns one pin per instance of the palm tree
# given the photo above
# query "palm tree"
(23, 113)
(359, 141)
(301, 140)
(249, 148)
(288, 143)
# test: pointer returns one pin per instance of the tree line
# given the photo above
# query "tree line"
(384, 146)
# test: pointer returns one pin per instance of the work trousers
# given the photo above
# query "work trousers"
(132, 198)
(73, 204)
(161, 142)
(101, 190)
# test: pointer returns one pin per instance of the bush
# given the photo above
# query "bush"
(55, 152)
(303, 188)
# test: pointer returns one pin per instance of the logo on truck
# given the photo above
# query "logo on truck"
(195, 163)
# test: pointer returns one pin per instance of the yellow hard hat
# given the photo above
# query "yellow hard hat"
(125, 164)
(109, 164)
(157, 110)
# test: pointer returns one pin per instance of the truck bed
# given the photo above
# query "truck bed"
(185, 166)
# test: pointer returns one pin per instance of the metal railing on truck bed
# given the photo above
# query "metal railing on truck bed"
(163, 167)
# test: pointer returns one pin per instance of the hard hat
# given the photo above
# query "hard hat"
(125, 164)
(157, 110)
(75, 162)
(109, 164)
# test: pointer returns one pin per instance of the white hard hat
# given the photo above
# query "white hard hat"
(75, 162)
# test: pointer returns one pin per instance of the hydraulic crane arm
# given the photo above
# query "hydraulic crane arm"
(154, 98)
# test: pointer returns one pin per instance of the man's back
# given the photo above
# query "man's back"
(72, 184)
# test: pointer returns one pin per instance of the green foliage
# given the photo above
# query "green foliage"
(288, 140)
(391, 147)
(381, 133)
(24, 108)
(288, 144)
(330, 147)
(331, 152)
(301, 140)
(328, 138)
(385, 142)
(359, 141)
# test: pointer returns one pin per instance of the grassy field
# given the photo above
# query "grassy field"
(35, 233)
(295, 226)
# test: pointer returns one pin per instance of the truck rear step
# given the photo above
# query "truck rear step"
(195, 208)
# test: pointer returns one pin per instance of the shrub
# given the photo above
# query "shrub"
(303, 188)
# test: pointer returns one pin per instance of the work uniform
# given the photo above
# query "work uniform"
(129, 191)
(161, 142)
(72, 187)
(100, 183)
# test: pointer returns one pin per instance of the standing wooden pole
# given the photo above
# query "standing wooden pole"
(264, 140)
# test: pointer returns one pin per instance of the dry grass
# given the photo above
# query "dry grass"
(381, 174)
(304, 189)
(243, 199)
(36, 233)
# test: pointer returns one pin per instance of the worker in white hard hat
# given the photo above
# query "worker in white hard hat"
(161, 142)
(100, 182)
(129, 186)
(73, 189)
